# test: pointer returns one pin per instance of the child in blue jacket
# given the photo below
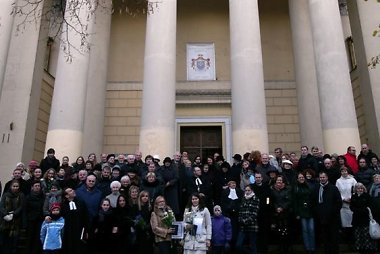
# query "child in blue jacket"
(52, 232)
(221, 231)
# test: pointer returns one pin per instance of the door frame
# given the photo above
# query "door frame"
(223, 122)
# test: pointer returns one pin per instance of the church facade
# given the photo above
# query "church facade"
(203, 76)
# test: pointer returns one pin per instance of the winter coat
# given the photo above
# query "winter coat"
(345, 186)
(352, 162)
(160, 230)
(359, 206)
(221, 230)
(364, 176)
(155, 189)
(33, 205)
(170, 177)
(52, 233)
(367, 156)
(91, 199)
(328, 211)
(228, 205)
(12, 203)
(301, 195)
(193, 240)
(307, 162)
(48, 163)
(248, 214)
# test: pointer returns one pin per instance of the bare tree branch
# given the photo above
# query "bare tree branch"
(69, 19)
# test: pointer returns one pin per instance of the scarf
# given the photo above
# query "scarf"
(321, 189)
(248, 196)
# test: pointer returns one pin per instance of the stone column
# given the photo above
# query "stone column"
(65, 132)
(249, 123)
(6, 23)
(97, 81)
(157, 133)
(364, 18)
(21, 91)
(339, 124)
(305, 74)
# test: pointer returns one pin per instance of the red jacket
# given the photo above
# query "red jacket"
(352, 162)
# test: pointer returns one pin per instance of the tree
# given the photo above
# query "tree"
(67, 15)
(375, 60)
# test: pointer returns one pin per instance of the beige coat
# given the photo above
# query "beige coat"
(159, 229)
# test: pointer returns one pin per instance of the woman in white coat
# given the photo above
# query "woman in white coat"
(198, 226)
(345, 185)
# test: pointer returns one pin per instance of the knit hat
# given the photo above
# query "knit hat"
(55, 206)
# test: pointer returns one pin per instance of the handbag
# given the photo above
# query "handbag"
(374, 227)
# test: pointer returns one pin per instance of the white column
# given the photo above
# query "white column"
(21, 91)
(249, 123)
(65, 132)
(97, 81)
(157, 133)
(305, 74)
(364, 18)
(6, 23)
(339, 124)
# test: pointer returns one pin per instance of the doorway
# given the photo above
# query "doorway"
(201, 140)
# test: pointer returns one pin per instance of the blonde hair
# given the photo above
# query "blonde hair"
(139, 202)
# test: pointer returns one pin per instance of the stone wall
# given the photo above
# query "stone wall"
(43, 116)
(123, 110)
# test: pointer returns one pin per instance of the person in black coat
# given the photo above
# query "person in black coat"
(24, 185)
(360, 200)
(153, 186)
(103, 225)
(122, 224)
(307, 161)
(230, 202)
(222, 177)
(34, 217)
(326, 204)
(263, 192)
(74, 211)
(49, 161)
(170, 178)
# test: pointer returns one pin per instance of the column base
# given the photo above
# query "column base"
(65, 143)
(249, 139)
(337, 140)
(158, 141)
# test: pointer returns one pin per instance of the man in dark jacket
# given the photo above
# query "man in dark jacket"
(367, 154)
(263, 192)
(307, 161)
(326, 204)
(50, 161)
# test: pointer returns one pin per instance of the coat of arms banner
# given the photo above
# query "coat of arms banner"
(201, 61)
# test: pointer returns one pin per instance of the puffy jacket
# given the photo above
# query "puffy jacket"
(51, 234)
(221, 230)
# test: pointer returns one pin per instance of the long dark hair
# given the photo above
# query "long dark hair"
(201, 201)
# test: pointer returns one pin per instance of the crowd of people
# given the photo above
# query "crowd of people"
(123, 204)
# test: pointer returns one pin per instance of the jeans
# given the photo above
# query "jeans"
(252, 237)
(308, 233)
